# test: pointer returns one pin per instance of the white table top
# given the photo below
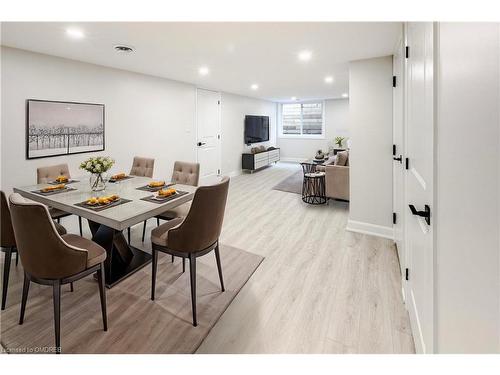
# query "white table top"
(119, 217)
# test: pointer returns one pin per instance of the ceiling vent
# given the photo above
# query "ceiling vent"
(123, 48)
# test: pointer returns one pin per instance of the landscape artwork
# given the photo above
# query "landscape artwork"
(61, 128)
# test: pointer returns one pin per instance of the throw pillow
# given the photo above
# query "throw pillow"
(342, 158)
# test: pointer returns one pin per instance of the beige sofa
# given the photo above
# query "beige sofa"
(337, 176)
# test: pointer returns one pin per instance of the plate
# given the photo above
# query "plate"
(160, 198)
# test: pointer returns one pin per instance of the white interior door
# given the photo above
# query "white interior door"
(208, 150)
(398, 154)
(419, 181)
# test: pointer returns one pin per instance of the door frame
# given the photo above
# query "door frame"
(219, 127)
(400, 150)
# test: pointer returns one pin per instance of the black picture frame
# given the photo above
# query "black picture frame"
(68, 147)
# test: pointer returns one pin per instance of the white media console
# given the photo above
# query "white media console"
(259, 160)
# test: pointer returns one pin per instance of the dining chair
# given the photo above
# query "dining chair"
(184, 173)
(193, 236)
(51, 259)
(48, 174)
(141, 167)
(8, 243)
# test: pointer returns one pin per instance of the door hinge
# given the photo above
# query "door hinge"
(407, 274)
(394, 80)
(407, 51)
(218, 102)
(218, 136)
(393, 150)
(394, 218)
(407, 163)
(218, 171)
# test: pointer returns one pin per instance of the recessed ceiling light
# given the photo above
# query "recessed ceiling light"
(75, 33)
(305, 55)
(293, 98)
(123, 48)
(328, 79)
(345, 95)
(254, 86)
(203, 71)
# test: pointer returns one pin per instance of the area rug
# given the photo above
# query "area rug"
(135, 323)
(291, 184)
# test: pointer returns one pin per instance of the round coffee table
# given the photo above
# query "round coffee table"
(313, 188)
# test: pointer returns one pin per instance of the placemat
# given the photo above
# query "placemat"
(70, 181)
(154, 189)
(112, 180)
(45, 194)
(152, 200)
(98, 208)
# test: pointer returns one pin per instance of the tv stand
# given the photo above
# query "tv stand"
(252, 162)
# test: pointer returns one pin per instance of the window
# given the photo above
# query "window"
(302, 119)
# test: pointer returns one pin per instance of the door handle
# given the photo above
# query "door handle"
(400, 159)
(426, 213)
(201, 143)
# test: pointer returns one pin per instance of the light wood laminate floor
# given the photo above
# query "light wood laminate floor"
(320, 289)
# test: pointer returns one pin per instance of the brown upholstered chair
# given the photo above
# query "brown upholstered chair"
(8, 243)
(194, 236)
(184, 173)
(47, 174)
(51, 259)
(141, 167)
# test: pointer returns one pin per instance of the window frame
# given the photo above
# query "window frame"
(301, 135)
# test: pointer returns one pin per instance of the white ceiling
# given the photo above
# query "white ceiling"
(237, 54)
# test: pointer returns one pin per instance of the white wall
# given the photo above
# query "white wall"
(370, 124)
(336, 124)
(468, 189)
(145, 115)
(233, 111)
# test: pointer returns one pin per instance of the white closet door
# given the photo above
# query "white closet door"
(419, 181)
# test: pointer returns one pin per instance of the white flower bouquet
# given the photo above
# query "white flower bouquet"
(97, 166)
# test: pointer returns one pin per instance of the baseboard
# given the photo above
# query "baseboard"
(234, 173)
(292, 160)
(371, 229)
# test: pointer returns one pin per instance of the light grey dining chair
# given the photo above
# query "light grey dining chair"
(48, 174)
(185, 173)
(141, 167)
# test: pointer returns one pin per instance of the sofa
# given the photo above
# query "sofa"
(337, 176)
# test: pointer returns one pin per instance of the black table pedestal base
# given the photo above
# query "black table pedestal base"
(122, 259)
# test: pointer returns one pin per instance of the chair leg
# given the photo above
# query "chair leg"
(157, 222)
(80, 225)
(172, 259)
(143, 230)
(183, 265)
(17, 258)
(192, 274)
(153, 278)
(6, 272)
(26, 287)
(56, 289)
(128, 235)
(71, 289)
(102, 294)
(58, 220)
(219, 267)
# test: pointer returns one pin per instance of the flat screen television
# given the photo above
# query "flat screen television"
(256, 129)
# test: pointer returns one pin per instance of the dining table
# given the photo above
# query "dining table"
(136, 204)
